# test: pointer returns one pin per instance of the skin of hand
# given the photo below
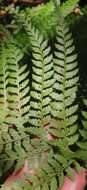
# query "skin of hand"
(78, 183)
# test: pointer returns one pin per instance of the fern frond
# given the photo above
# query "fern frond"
(14, 105)
(3, 84)
(14, 85)
(68, 6)
(63, 106)
(18, 89)
(83, 132)
(42, 78)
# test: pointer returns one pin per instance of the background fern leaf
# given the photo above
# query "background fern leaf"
(3, 84)
(83, 131)
(68, 6)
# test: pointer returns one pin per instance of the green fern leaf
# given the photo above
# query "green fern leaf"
(65, 87)
(18, 87)
(70, 173)
(73, 139)
(14, 105)
(82, 145)
(53, 184)
(14, 85)
(45, 187)
(3, 84)
(83, 132)
(42, 78)
(68, 6)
